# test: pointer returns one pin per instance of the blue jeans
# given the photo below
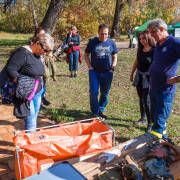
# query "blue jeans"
(96, 80)
(73, 60)
(35, 103)
(161, 104)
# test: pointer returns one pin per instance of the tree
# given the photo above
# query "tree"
(33, 13)
(131, 13)
(52, 16)
(7, 3)
(117, 18)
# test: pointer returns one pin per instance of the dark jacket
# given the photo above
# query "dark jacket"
(33, 67)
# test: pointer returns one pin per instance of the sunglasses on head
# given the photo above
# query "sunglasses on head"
(45, 50)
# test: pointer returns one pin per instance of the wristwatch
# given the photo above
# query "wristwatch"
(112, 69)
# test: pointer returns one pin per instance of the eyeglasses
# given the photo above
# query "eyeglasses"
(45, 50)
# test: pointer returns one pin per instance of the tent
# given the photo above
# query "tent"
(141, 28)
(177, 25)
(177, 30)
(171, 30)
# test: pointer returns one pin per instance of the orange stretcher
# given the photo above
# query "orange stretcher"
(60, 142)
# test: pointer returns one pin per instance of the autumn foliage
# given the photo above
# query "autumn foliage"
(87, 15)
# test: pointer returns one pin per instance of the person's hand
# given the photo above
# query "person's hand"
(70, 43)
(131, 77)
(173, 80)
(111, 71)
(70, 33)
(90, 67)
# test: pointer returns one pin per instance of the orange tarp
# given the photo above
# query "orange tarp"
(60, 143)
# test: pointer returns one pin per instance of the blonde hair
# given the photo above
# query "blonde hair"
(46, 40)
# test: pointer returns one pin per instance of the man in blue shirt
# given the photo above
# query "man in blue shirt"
(129, 32)
(101, 69)
(163, 75)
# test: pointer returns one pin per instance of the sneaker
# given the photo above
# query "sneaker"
(71, 76)
(140, 121)
(45, 102)
(75, 75)
(102, 114)
(149, 129)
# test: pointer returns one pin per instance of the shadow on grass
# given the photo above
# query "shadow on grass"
(61, 115)
(61, 75)
(131, 123)
(121, 139)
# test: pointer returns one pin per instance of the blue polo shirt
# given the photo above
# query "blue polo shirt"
(101, 54)
(165, 65)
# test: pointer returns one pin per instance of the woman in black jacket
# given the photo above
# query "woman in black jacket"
(32, 67)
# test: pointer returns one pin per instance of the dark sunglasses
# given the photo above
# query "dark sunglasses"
(45, 50)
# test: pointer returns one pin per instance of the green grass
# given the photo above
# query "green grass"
(10, 42)
(70, 98)
(126, 36)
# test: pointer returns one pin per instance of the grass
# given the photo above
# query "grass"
(9, 42)
(125, 36)
(70, 97)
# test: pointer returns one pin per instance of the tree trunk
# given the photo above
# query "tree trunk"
(33, 13)
(117, 18)
(52, 16)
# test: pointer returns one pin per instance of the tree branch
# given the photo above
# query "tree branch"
(7, 3)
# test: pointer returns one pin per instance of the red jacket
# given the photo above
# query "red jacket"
(70, 50)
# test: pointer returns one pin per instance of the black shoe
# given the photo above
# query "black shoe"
(45, 102)
(149, 129)
(140, 121)
(75, 75)
(102, 114)
(71, 76)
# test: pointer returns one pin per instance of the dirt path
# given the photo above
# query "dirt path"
(120, 45)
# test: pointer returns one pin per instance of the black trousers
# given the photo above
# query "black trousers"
(144, 101)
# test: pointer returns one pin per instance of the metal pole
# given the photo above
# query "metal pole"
(17, 157)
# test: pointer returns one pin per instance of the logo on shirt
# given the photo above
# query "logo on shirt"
(164, 49)
(102, 52)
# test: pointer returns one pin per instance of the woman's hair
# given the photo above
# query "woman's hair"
(150, 40)
(46, 40)
(37, 31)
(73, 27)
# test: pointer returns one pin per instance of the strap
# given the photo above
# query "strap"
(25, 60)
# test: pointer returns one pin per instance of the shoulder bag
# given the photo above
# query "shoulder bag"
(26, 87)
